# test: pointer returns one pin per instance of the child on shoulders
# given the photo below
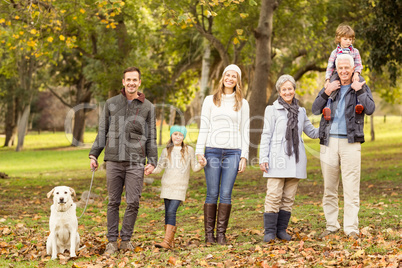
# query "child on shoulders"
(344, 37)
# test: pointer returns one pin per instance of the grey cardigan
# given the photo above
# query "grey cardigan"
(354, 122)
(273, 143)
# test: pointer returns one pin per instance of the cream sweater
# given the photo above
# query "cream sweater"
(177, 172)
(223, 127)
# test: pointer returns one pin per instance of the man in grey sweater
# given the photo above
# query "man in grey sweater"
(341, 135)
(127, 132)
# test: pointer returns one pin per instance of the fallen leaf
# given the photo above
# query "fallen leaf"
(358, 254)
(172, 260)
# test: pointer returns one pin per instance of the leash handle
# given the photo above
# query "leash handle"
(89, 194)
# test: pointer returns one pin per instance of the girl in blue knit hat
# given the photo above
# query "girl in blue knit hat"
(176, 159)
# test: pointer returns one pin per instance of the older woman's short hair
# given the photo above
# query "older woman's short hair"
(345, 57)
(283, 79)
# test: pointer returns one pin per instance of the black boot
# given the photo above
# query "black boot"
(270, 222)
(222, 222)
(283, 221)
(209, 222)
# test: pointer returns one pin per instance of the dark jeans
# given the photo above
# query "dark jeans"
(171, 207)
(118, 175)
(220, 173)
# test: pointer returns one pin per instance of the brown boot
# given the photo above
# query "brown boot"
(168, 241)
(209, 222)
(222, 222)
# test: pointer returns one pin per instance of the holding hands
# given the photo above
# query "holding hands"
(148, 169)
(201, 159)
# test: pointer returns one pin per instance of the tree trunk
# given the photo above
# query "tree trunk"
(372, 128)
(78, 128)
(83, 97)
(26, 70)
(11, 122)
(206, 67)
(263, 36)
(22, 127)
(172, 116)
(162, 116)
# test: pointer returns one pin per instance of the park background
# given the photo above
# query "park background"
(60, 60)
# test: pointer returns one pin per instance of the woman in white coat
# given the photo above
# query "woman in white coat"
(283, 157)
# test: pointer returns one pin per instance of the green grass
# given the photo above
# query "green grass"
(35, 171)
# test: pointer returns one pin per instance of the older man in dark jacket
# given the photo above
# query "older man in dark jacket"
(127, 132)
(341, 133)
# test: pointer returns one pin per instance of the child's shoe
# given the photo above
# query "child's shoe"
(326, 112)
(359, 108)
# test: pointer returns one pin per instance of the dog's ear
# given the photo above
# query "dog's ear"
(72, 191)
(49, 194)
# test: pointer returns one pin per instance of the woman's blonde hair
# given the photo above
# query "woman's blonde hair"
(170, 146)
(238, 93)
(342, 31)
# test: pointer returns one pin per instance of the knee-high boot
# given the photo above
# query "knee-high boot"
(270, 226)
(222, 222)
(283, 221)
(209, 222)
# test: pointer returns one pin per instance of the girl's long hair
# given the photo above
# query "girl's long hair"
(170, 146)
(238, 93)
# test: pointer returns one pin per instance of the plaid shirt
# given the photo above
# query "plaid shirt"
(349, 50)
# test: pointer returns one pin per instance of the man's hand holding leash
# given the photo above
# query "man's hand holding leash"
(94, 163)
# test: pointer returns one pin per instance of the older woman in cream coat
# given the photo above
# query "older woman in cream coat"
(283, 157)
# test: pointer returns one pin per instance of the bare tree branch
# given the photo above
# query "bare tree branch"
(311, 66)
(59, 97)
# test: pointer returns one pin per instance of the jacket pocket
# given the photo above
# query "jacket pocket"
(112, 143)
(359, 126)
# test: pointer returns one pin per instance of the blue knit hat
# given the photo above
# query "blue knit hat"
(181, 129)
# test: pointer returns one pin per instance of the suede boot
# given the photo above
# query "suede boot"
(209, 222)
(168, 241)
(270, 226)
(283, 221)
(222, 222)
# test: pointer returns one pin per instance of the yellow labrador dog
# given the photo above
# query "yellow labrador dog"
(63, 222)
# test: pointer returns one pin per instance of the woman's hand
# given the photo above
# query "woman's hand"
(264, 167)
(201, 160)
(242, 165)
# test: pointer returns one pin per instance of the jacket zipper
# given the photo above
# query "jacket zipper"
(139, 140)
